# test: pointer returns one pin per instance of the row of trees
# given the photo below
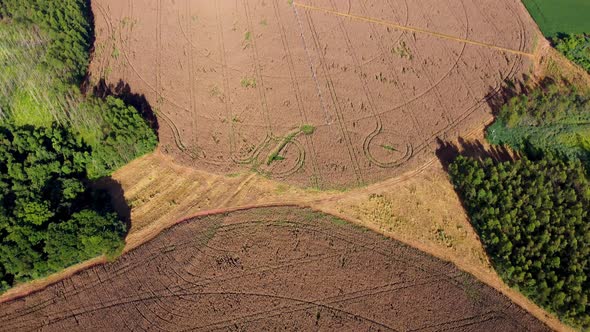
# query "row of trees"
(123, 136)
(533, 214)
(533, 218)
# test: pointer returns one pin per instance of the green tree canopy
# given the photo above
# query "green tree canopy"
(48, 218)
(533, 219)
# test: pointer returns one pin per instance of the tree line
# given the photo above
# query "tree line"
(532, 214)
(533, 219)
(50, 217)
(575, 47)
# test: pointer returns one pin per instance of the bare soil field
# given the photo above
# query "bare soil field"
(264, 269)
(234, 82)
(418, 208)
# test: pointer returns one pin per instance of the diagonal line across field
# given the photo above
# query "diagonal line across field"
(412, 29)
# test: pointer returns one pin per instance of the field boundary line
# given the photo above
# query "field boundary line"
(412, 29)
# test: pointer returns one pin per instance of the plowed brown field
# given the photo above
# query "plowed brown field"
(269, 269)
(232, 81)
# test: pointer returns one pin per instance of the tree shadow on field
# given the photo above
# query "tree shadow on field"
(123, 91)
(447, 152)
(91, 20)
(109, 188)
(496, 98)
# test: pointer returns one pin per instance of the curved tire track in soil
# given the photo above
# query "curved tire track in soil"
(378, 121)
(433, 87)
(470, 110)
(234, 155)
(209, 281)
(334, 171)
(175, 131)
(317, 177)
(335, 102)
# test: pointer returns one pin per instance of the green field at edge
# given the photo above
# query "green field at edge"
(560, 16)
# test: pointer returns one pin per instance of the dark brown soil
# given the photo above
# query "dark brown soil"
(269, 269)
(230, 79)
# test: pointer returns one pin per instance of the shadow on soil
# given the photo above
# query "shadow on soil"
(497, 98)
(123, 91)
(108, 188)
(447, 152)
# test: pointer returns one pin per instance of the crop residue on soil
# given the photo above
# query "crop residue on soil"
(265, 269)
(232, 82)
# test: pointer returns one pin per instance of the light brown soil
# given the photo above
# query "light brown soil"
(230, 79)
(208, 120)
(269, 269)
(422, 206)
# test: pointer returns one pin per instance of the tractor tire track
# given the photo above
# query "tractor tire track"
(334, 96)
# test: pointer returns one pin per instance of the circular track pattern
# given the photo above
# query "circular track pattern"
(226, 77)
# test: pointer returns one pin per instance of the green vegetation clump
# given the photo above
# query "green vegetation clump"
(275, 155)
(54, 141)
(547, 119)
(248, 82)
(66, 24)
(45, 48)
(389, 148)
(403, 51)
(307, 129)
(124, 136)
(576, 48)
(533, 218)
(31, 92)
(563, 16)
(49, 218)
